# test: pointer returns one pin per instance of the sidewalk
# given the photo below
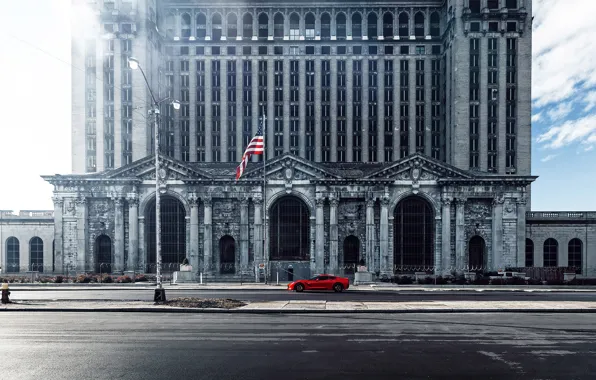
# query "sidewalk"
(291, 307)
(282, 287)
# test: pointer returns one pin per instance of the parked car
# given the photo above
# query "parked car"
(321, 282)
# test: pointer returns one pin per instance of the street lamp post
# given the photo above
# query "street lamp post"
(160, 293)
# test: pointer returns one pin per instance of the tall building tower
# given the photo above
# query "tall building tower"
(449, 79)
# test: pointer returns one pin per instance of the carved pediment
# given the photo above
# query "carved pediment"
(170, 169)
(419, 168)
(289, 168)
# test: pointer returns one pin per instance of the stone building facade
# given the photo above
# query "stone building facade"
(398, 136)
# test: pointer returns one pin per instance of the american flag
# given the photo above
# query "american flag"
(256, 146)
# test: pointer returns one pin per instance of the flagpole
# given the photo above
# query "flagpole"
(265, 198)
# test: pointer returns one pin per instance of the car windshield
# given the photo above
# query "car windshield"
(314, 278)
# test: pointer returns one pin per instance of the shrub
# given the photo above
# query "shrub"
(140, 278)
(498, 281)
(107, 279)
(460, 279)
(555, 282)
(481, 280)
(123, 280)
(404, 280)
(83, 279)
(534, 281)
(517, 281)
(427, 280)
(59, 279)
(441, 280)
(582, 281)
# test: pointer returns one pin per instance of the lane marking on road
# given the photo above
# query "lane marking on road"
(310, 351)
(493, 355)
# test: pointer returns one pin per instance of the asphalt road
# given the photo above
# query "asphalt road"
(283, 295)
(302, 347)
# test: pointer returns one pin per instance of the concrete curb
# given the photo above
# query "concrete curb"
(277, 311)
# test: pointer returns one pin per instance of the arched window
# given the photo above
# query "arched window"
(550, 252)
(414, 226)
(356, 25)
(185, 23)
(201, 25)
(309, 25)
(476, 254)
(529, 253)
(372, 25)
(435, 24)
(216, 27)
(278, 26)
(289, 230)
(36, 254)
(247, 25)
(340, 25)
(103, 247)
(173, 233)
(475, 6)
(404, 25)
(574, 255)
(263, 25)
(325, 25)
(351, 254)
(227, 254)
(419, 24)
(388, 25)
(294, 26)
(170, 26)
(232, 26)
(13, 255)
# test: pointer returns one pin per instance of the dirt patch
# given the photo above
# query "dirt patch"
(204, 303)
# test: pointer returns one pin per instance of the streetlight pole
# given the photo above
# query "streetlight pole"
(160, 293)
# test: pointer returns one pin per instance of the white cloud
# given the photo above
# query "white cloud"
(560, 111)
(582, 130)
(564, 48)
(536, 117)
(549, 157)
(590, 100)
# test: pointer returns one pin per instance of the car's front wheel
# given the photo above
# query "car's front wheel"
(338, 288)
(299, 287)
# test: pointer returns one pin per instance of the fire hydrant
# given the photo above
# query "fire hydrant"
(5, 293)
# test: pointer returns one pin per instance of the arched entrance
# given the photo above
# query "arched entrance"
(289, 230)
(103, 247)
(173, 234)
(227, 255)
(476, 254)
(13, 254)
(414, 231)
(351, 254)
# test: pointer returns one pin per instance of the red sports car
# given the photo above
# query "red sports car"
(321, 282)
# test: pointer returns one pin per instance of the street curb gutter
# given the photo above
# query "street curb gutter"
(276, 311)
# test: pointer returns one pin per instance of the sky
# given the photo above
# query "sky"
(35, 103)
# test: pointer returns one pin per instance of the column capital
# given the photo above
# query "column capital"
(243, 201)
(499, 200)
(207, 201)
(133, 202)
(446, 201)
(193, 200)
(118, 201)
(521, 201)
(257, 201)
(319, 202)
(334, 202)
(81, 201)
(385, 202)
(460, 202)
(370, 203)
(58, 201)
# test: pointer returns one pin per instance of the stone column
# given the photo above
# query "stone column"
(207, 237)
(81, 234)
(384, 239)
(118, 234)
(320, 236)
(58, 235)
(497, 234)
(521, 232)
(258, 232)
(133, 233)
(460, 243)
(333, 237)
(312, 235)
(142, 258)
(244, 234)
(370, 234)
(445, 262)
(194, 232)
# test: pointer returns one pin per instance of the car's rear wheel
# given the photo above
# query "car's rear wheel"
(299, 287)
(338, 288)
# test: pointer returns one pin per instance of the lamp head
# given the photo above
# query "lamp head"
(176, 104)
(133, 63)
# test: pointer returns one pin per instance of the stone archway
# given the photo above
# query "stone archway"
(103, 247)
(227, 255)
(289, 230)
(173, 233)
(476, 254)
(414, 235)
(351, 253)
